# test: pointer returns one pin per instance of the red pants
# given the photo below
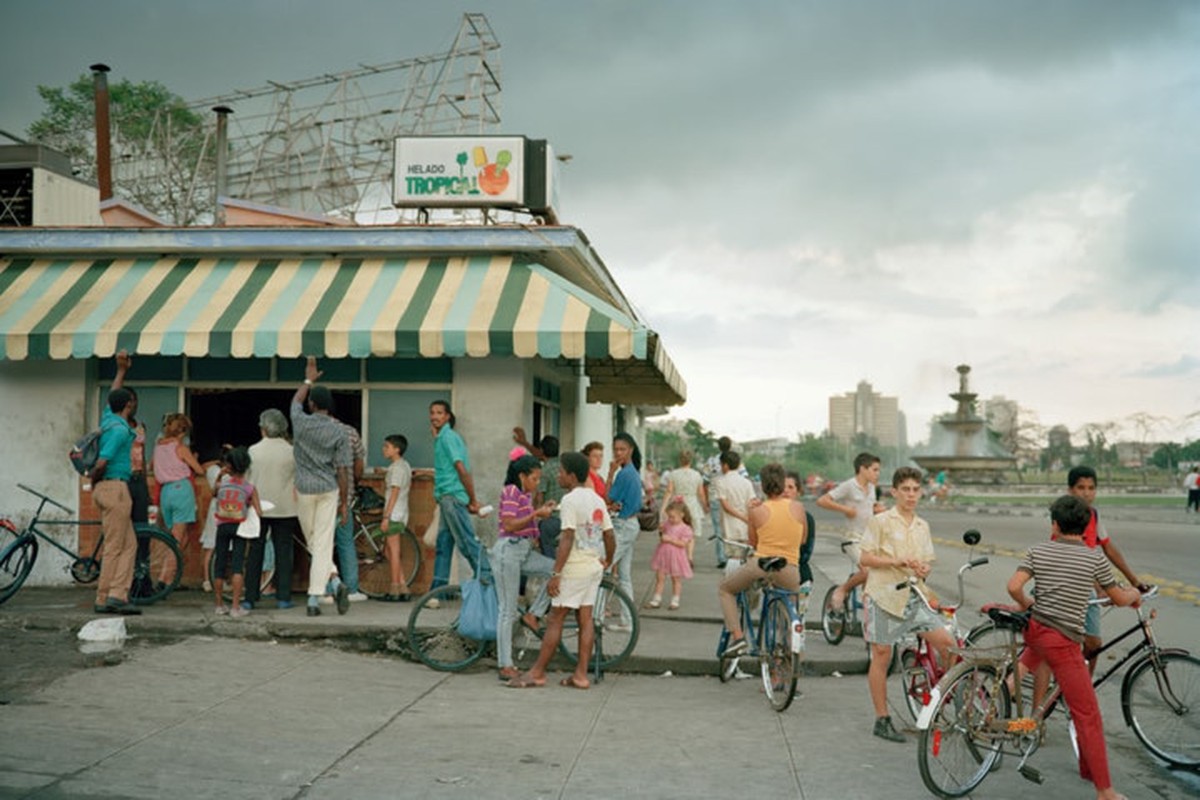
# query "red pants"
(1065, 658)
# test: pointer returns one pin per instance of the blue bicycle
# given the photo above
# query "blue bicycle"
(836, 620)
(777, 640)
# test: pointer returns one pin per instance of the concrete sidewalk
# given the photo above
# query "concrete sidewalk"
(683, 642)
(215, 717)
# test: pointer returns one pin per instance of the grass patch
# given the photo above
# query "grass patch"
(1164, 501)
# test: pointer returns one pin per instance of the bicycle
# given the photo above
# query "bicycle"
(919, 667)
(835, 621)
(370, 544)
(157, 552)
(434, 638)
(977, 713)
(777, 641)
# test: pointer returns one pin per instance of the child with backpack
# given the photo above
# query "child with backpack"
(235, 497)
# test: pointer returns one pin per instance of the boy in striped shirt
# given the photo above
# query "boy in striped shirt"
(1065, 570)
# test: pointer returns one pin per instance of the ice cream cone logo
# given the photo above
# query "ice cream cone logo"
(493, 176)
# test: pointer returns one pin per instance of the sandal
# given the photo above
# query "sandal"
(674, 604)
(655, 603)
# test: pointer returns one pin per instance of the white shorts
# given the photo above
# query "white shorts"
(576, 592)
(880, 627)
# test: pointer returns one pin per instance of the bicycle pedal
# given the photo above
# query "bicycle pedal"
(1030, 774)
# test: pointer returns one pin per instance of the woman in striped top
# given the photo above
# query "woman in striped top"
(514, 554)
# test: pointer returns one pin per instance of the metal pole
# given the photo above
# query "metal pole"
(223, 113)
(103, 134)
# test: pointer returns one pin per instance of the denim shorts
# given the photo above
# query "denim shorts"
(177, 503)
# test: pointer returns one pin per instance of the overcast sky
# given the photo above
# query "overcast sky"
(799, 196)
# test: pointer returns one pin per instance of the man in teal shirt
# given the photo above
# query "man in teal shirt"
(110, 481)
(454, 492)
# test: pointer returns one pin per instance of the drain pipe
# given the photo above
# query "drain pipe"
(223, 113)
(103, 134)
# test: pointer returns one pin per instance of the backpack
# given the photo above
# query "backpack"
(86, 452)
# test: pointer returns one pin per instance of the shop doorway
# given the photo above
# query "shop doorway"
(221, 416)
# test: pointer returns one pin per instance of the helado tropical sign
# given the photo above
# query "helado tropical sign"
(473, 171)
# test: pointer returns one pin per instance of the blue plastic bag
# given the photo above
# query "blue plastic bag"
(480, 610)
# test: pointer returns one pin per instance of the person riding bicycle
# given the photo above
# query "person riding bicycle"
(855, 499)
(1065, 569)
(895, 547)
(776, 530)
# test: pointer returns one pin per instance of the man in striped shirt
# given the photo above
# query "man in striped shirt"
(1065, 570)
(323, 461)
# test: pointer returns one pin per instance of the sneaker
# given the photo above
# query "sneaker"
(221, 611)
(239, 611)
(357, 597)
(313, 611)
(247, 604)
(434, 604)
(884, 730)
(207, 585)
(736, 647)
(282, 604)
(342, 597)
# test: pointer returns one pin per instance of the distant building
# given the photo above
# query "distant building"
(1003, 417)
(775, 447)
(869, 413)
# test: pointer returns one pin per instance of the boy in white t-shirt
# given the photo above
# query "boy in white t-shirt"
(585, 547)
(395, 511)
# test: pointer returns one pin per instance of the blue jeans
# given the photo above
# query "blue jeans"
(625, 531)
(512, 558)
(714, 509)
(343, 543)
(455, 529)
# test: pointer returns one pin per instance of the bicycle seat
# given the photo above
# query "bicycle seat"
(1007, 618)
(772, 563)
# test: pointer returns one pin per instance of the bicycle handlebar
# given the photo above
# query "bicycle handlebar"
(1150, 593)
(749, 548)
(46, 499)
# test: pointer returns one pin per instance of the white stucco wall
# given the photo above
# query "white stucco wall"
(58, 200)
(42, 414)
(489, 399)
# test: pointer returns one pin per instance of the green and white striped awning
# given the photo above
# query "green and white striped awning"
(70, 307)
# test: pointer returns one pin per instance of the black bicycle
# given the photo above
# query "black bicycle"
(157, 569)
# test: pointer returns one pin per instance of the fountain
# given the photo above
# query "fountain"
(959, 442)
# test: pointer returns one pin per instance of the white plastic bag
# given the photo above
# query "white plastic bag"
(251, 526)
(105, 629)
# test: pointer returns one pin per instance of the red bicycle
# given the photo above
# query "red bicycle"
(919, 668)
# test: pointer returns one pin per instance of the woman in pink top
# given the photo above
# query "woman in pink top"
(174, 464)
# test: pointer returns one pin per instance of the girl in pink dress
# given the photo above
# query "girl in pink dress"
(671, 558)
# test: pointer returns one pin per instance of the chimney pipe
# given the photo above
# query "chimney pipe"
(103, 135)
(223, 113)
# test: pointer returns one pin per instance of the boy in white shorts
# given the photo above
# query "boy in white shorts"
(585, 547)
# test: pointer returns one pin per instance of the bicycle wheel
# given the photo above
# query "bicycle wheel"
(158, 566)
(264, 582)
(615, 638)
(374, 569)
(914, 682)
(1160, 697)
(956, 751)
(833, 620)
(16, 562)
(780, 666)
(433, 632)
